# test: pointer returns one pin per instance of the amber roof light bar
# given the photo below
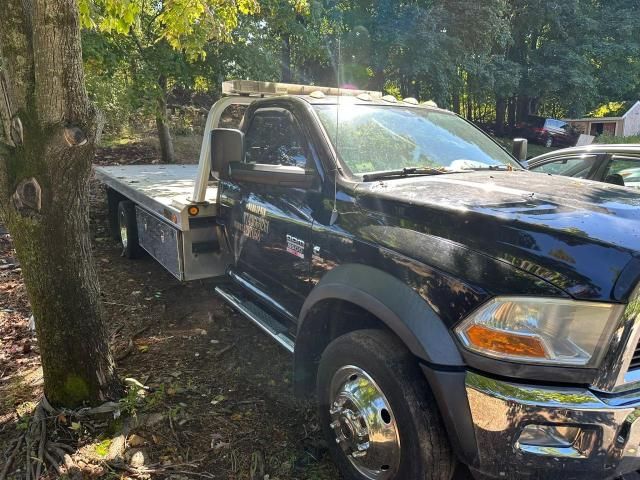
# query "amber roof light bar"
(265, 89)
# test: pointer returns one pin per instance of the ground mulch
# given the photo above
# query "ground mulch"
(217, 393)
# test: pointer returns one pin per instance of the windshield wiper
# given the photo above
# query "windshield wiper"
(405, 172)
(488, 167)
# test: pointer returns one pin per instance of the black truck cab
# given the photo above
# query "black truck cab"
(444, 304)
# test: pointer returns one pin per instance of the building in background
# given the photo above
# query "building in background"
(619, 119)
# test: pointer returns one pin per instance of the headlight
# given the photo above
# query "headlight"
(541, 330)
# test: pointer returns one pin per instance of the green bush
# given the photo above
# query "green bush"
(612, 139)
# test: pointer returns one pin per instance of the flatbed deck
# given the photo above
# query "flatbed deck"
(161, 189)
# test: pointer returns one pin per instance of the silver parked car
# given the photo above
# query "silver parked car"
(615, 164)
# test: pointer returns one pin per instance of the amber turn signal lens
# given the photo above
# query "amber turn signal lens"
(505, 342)
(193, 210)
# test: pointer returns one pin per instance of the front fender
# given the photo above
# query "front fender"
(394, 303)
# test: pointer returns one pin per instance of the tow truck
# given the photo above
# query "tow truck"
(444, 305)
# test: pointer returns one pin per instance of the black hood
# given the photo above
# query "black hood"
(577, 234)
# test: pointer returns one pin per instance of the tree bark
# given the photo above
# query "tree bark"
(523, 108)
(456, 103)
(285, 60)
(162, 123)
(501, 111)
(511, 113)
(45, 160)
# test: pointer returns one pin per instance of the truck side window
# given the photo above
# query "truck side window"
(274, 138)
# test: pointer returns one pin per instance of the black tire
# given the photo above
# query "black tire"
(113, 200)
(425, 453)
(127, 225)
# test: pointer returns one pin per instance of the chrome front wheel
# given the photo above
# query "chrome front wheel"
(364, 424)
(377, 413)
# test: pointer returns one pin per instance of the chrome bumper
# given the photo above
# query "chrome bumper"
(605, 439)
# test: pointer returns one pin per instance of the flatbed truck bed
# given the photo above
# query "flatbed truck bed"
(175, 230)
(165, 190)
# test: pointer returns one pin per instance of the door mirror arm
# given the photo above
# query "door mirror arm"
(280, 175)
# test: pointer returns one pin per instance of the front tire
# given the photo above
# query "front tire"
(128, 229)
(377, 412)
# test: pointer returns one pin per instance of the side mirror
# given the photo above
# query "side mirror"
(519, 150)
(227, 146)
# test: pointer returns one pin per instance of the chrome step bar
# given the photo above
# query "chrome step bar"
(262, 319)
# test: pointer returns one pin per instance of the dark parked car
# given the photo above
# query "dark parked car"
(548, 132)
(616, 164)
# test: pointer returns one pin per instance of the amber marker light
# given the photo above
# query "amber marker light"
(193, 210)
(507, 343)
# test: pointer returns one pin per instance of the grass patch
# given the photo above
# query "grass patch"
(533, 149)
(604, 139)
(20, 391)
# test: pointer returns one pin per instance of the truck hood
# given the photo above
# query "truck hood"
(576, 234)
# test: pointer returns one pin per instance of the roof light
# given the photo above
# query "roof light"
(265, 89)
(430, 103)
(317, 94)
(410, 100)
(390, 99)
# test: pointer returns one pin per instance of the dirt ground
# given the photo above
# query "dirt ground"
(220, 390)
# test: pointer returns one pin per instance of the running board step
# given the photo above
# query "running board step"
(259, 316)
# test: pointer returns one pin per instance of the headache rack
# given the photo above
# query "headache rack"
(267, 89)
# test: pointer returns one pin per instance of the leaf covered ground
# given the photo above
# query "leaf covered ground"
(217, 392)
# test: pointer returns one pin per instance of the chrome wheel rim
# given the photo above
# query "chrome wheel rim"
(364, 425)
(123, 228)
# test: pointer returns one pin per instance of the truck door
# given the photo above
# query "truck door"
(270, 225)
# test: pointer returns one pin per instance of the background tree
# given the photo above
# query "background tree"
(162, 42)
(47, 146)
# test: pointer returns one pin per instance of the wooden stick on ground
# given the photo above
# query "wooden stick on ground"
(12, 457)
(53, 462)
(43, 441)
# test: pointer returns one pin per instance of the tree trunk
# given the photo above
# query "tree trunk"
(501, 110)
(456, 103)
(523, 108)
(378, 80)
(285, 60)
(162, 123)
(511, 113)
(46, 150)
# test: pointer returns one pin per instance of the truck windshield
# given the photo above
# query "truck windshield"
(371, 138)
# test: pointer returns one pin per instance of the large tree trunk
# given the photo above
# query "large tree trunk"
(47, 146)
(162, 123)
